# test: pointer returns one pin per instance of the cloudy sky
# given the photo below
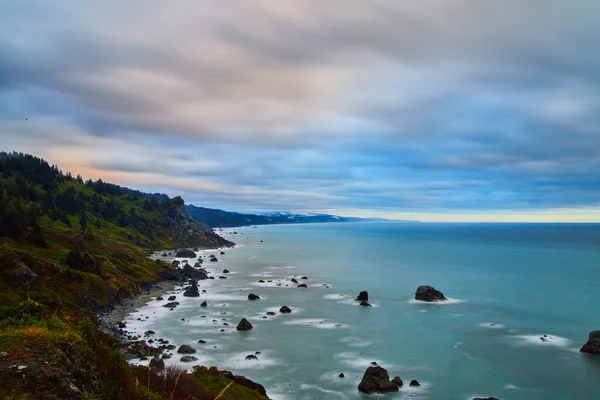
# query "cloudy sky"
(430, 110)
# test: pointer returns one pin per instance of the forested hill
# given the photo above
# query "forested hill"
(67, 249)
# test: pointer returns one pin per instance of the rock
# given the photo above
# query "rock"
(192, 291)
(149, 333)
(203, 304)
(25, 277)
(374, 363)
(302, 285)
(252, 296)
(363, 296)
(214, 259)
(163, 254)
(272, 313)
(222, 253)
(159, 298)
(376, 380)
(122, 325)
(365, 303)
(222, 277)
(294, 280)
(225, 271)
(185, 349)
(485, 398)
(261, 281)
(398, 381)
(285, 310)
(304, 277)
(244, 325)
(211, 277)
(251, 357)
(188, 359)
(165, 356)
(414, 383)
(593, 344)
(201, 341)
(171, 305)
(171, 298)
(175, 263)
(199, 263)
(341, 375)
(429, 294)
(186, 254)
(157, 363)
(242, 380)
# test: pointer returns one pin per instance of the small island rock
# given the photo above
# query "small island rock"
(429, 294)
(284, 310)
(376, 380)
(185, 349)
(363, 296)
(244, 325)
(593, 344)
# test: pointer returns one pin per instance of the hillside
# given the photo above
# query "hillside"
(69, 249)
(216, 218)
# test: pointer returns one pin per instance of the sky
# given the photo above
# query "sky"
(440, 110)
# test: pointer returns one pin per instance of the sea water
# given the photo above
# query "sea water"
(508, 285)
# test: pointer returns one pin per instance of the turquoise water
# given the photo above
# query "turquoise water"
(526, 280)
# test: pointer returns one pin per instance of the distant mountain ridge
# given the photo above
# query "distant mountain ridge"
(216, 218)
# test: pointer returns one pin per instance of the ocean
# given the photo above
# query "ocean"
(508, 285)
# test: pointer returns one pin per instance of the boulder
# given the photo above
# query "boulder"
(414, 383)
(188, 359)
(261, 281)
(376, 380)
(122, 325)
(251, 357)
(157, 363)
(485, 398)
(191, 292)
(302, 285)
(186, 254)
(294, 280)
(398, 381)
(222, 253)
(365, 303)
(171, 298)
(222, 277)
(175, 263)
(225, 271)
(159, 298)
(201, 341)
(284, 310)
(429, 294)
(593, 344)
(171, 305)
(204, 304)
(244, 325)
(363, 296)
(341, 375)
(185, 349)
(214, 259)
(252, 296)
(25, 277)
(272, 313)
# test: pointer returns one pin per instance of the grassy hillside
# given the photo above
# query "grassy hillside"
(68, 248)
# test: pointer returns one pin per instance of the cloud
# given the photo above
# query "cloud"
(382, 106)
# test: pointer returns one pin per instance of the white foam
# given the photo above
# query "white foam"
(437, 303)
(355, 342)
(510, 386)
(238, 360)
(338, 395)
(316, 323)
(353, 360)
(492, 325)
(338, 296)
(549, 340)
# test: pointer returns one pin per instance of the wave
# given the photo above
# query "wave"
(316, 323)
(437, 303)
(355, 342)
(542, 340)
(492, 325)
(238, 360)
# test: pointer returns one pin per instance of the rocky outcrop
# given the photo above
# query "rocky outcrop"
(25, 277)
(186, 349)
(253, 296)
(244, 325)
(593, 344)
(398, 381)
(429, 294)
(192, 291)
(139, 349)
(376, 380)
(284, 310)
(186, 253)
(242, 380)
(363, 296)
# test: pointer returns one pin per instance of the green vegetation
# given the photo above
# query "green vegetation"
(68, 248)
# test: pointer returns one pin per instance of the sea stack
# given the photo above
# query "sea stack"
(244, 325)
(363, 296)
(593, 344)
(376, 380)
(429, 294)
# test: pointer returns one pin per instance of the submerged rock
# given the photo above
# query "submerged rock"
(272, 313)
(284, 310)
(244, 325)
(430, 294)
(363, 296)
(253, 296)
(593, 344)
(376, 380)
(485, 398)
(186, 349)
(251, 357)
(365, 304)
(302, 285)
